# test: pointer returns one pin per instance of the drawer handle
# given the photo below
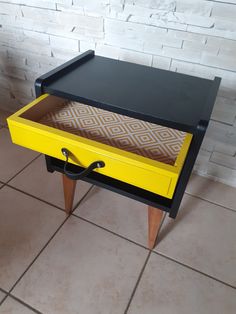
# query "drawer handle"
(85, 172)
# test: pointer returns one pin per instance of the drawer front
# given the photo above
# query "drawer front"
(127, 167)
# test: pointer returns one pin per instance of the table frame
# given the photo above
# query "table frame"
(42, 85)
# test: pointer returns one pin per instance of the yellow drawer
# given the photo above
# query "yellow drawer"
(143, 172)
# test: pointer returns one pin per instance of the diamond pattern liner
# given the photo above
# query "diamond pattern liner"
(136, 136)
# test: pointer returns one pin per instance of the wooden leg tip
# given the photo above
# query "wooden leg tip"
(151, 244)
(69, 192)
(154, 222)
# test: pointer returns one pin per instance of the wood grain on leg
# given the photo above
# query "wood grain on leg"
(154, 221)
(69, 192)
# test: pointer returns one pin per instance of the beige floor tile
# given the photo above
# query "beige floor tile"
(203, 237)
(169, 288)
(212, 191)
(2, 295)
(83, 270)
(116, 213)
(12, 157)
(3, 116)
(26, 225)
(11, 306)
(46, 185)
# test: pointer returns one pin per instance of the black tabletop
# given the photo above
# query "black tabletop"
(159, 96)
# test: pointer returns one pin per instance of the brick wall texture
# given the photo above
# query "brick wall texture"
(197, 37)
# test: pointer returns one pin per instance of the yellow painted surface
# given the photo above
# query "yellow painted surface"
(128, 167)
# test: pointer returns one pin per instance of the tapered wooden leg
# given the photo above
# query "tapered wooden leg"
(69, 192)
(154, 221)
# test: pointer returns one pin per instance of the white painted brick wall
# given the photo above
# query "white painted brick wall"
(196, 37)
(64, 43)
(161, 62)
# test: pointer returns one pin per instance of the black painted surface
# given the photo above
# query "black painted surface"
(175, 100)
(138, 194)
(163, 97)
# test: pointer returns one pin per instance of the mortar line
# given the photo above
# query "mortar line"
(194, 269)
(137, 282)
(3, 290)
(211, 202)
(123, 237)
(143, 268)
(35, 197)
(50, 239)
(36, 257)
(21, 302)
(110, 231)
(29, 163)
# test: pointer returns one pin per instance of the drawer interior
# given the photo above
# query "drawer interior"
(146, 139)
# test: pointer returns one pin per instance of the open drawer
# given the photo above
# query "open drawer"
(47, 125)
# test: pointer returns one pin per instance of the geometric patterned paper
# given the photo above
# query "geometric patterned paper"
(143, 138)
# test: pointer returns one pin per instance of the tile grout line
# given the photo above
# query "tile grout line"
(42, 200)
(35, 258)
(116, 234)
(16, 174)
(109, 231)
(143, 268)
(137, 282)
(142, 246)
(21, 302)
(194, 269)
(25, 304)
(75, 207)
(77, 204)
(105, 229)
(33, 196)
(3, 291)
(29, 163)
(46, 202)
(80, 201)
(211, 202)
(101, 227)
(90, 189)
(9, 294)
(50, 239)
(82, 198)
